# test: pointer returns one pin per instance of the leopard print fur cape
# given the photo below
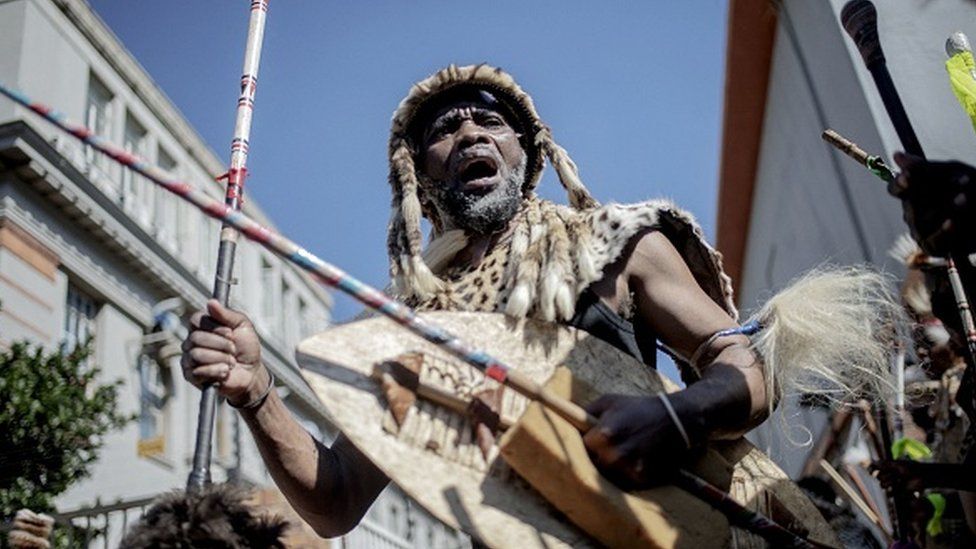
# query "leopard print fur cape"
(556, 252)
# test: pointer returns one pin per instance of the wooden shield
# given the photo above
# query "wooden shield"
(435, 458)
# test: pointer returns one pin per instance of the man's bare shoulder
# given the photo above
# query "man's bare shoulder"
(651, 255)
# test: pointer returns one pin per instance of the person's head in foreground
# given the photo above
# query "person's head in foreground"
(217, 518)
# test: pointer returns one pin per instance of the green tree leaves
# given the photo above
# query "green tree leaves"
(53, 418)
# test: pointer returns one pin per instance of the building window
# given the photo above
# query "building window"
(166, 205)
(153, 397)
(209, 242)
(306, 324)
(98, 118)
(288, 320)
(79, 319)
(136, 191)
(188, 222)
(269, 301)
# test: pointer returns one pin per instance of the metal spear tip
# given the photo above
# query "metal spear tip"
(957, 43)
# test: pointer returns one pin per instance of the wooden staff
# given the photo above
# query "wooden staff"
(868, 499)
(200, 474)
(852, 495)
(829, 440)
(873, 163)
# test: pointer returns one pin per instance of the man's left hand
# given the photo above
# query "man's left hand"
(938, 203)
(635, 443)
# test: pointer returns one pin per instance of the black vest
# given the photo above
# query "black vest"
(593, 316)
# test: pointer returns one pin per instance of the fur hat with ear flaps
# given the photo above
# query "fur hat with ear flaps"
(410, 274)
(555, 251)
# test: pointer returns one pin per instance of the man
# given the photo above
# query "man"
(466, 152)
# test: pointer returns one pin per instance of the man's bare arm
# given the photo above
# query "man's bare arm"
(731, 396)
(638, 438)
(331, 488)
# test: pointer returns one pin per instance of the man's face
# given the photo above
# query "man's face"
(474, 166)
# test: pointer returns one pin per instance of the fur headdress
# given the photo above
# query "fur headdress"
(410, 274)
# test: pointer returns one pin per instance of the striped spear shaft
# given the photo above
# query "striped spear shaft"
(335, 277)
(965, 89)
(224, 273)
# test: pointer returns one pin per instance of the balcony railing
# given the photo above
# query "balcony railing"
(98, 525)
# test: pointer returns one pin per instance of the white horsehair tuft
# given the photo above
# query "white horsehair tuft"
(442, 249)
(830, 334)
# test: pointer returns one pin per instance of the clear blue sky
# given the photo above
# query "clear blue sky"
(632, 90)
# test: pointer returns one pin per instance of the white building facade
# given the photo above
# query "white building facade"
(88, 249)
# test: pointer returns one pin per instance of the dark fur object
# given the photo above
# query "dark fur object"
(217, 518)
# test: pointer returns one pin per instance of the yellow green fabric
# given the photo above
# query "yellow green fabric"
(960, 68)
(910, 448)
(934, 525)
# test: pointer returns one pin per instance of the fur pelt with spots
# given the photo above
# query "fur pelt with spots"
(555, 252)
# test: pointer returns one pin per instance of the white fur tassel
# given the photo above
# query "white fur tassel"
(520, 242)
(518, 302)
(564, 302)
(586, 266)
(904, 249)
(547, 293)
(830, 334)
(527, 272)
(416, 279)
(442, 249)
(918, 298)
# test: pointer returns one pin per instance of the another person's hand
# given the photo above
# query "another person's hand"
(901, 474)
(635, 443)
(907, 477)
(939, 203)
(223, 349)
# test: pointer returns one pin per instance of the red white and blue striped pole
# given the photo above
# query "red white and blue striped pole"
(331, 275)
(235, 176)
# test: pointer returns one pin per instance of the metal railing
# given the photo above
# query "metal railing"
(104, 525)
(100, 525)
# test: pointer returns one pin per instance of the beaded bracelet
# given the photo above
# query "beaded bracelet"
(260, 399)
(747, 329)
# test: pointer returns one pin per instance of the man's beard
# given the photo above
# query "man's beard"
(480, 213)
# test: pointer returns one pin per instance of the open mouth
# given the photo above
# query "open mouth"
(477, 172)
